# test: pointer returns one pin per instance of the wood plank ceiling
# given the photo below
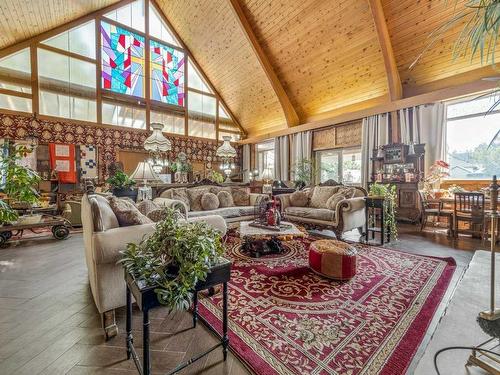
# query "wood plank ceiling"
(20, 20)
(326, 54)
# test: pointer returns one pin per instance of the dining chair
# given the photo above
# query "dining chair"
(435, 209)
(469, 208)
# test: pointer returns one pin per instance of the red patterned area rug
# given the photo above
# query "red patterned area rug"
(285, 319)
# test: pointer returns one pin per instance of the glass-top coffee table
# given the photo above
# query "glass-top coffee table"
(261, 241)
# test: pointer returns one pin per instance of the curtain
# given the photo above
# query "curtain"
(246, 163)
(375, 133)
(426, 124)
(301, 148)
(281, 158)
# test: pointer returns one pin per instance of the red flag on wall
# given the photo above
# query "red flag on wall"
(62, 159)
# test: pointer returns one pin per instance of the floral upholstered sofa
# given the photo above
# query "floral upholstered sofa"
(233, 203)
(339, 208)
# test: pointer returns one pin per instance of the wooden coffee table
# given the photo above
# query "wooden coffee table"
(260, 241)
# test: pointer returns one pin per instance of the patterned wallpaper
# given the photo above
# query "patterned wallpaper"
(109, 141)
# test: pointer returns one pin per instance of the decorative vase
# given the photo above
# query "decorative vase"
(271, 216)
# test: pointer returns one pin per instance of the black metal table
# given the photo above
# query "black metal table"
(146, 299)
(372, 205)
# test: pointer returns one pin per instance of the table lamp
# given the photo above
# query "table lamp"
(144, 173)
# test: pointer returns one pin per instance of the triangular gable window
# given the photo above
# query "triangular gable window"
(131, 15)
(195, 81)
(159, 29)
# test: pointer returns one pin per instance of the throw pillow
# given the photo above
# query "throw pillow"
(342, 193)
(320, 196)
(145, 207)
(181, 195)
(241, 197)
(209, 201)
(299, 199)
(225, 199)
(194, 195)
(167, 194)
(157, 215)
(215, 189)
(127, 213)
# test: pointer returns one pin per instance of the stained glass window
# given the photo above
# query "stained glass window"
(167, 74)
(122, 60)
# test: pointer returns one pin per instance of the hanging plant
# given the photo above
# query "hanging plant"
(174, 258)
(389, 193)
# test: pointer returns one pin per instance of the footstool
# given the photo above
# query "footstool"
(333, 259)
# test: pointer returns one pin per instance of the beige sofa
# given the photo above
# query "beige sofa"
(103, 240)
(348, 214)
(236, 213)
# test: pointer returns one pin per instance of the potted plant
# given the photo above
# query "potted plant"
(174, 258)
(20, 183)
(389, 194)
(122, 186)
(304, 173)
(215, 177)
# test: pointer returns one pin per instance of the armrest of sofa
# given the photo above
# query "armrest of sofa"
(109, 243)
(352, 204)
(172, 203)
(256, 197)
(284, 200)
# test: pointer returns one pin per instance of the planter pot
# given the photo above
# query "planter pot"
(29, 219)
(130, 193)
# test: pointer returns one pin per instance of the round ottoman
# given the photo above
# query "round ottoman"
(333, 259)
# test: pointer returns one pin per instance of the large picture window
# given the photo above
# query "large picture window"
(167, 74)
(122, 60)
(343, 165)
(473, 139)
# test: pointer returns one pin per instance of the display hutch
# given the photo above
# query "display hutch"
(399, 165)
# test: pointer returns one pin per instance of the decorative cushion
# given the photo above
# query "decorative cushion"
(146, 206)
(225, 199)
(342, 193)
(167, 194)
(299, 199)
(333, 259)
(209, 201)
(157, 215)
(194, 195)
(182, 195)
(241, 197)
(320, 195)
(215, 189)
(127, 213)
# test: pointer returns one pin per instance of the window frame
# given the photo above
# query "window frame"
(340, 154)
(107, 95)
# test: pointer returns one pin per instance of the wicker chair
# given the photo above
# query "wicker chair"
(434, 209)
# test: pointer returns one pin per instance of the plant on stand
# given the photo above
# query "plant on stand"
(20, 183)
(7, 214)
(176, 256)
(389, 194)
(122, 185)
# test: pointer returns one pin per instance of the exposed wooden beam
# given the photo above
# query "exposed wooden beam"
(291, 116)
(391, 68)
(348, 114)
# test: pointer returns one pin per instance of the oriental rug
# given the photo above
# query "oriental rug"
(286, 319)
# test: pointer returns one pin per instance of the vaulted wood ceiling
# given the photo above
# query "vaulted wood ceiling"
(279, 63)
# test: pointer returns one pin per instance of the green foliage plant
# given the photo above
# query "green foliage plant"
(21, 183)
(216, 177)
(389, 193)
(174, 258)
(120, 181)
(7, 214)
(305, 172)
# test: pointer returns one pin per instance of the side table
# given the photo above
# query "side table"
(146, 299)
(372, 205)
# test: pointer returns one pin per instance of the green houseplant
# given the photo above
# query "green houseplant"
(20, 183)
(388, 192)
(174, 258)
(7, 214)
(304, 173)
(122, 186)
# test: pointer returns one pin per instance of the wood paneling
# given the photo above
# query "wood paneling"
(20, 20)
(211, 32)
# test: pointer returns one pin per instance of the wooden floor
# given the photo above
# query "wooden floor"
(49, 325)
